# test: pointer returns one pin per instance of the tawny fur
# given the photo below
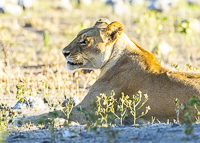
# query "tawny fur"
(126, 67)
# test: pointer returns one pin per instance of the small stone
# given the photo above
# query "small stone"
(17, 121)
(63, 4)
(59, 122)
(33, 102)
(134, 137)
(85, 135)
(72, 123)
(46, 141)
(136, 125)
(68, 134)
(175, 125)
(17, 137)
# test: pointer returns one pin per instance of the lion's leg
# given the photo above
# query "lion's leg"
(85, 105)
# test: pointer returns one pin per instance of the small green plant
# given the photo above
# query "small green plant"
(44, 88)
(190, 67)
(93, 120)
(6, 114)
(50, 121)
(175, 65)
(105, 107)
(46, 38)
(69, 106)
(177, 109)
(132, 104)
(111, 134)
(122, 108)
(106, 116)
(103, 111)
(189, 113)
(23, 90)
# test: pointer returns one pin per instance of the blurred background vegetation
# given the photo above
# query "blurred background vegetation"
(46, 28)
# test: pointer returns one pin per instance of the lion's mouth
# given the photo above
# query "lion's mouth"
(74, 64)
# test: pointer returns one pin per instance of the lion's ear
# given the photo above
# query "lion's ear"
(112, 31)
(102, 23)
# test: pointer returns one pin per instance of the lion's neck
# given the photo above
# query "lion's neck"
(122, 45)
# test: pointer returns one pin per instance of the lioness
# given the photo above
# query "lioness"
(126, 67)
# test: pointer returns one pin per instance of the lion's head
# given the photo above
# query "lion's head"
(92, 47)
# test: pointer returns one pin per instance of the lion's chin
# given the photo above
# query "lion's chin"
(71, 66)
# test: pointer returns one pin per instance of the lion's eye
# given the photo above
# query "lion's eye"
(83, 42)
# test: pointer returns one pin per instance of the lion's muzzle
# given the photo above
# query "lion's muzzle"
(66, 53)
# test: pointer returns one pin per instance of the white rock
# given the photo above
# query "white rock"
(68, 134)
(72, 123)
(195, 25)
(59, 122)
(2, 3)
(64, 4)
(165, 48)
(28, 3)
(17, 121)
(86, 2)
(120, 8)
(13, 9)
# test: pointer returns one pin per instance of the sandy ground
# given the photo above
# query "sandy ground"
(152, 133)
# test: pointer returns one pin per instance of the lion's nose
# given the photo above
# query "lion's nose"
(66, 53)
